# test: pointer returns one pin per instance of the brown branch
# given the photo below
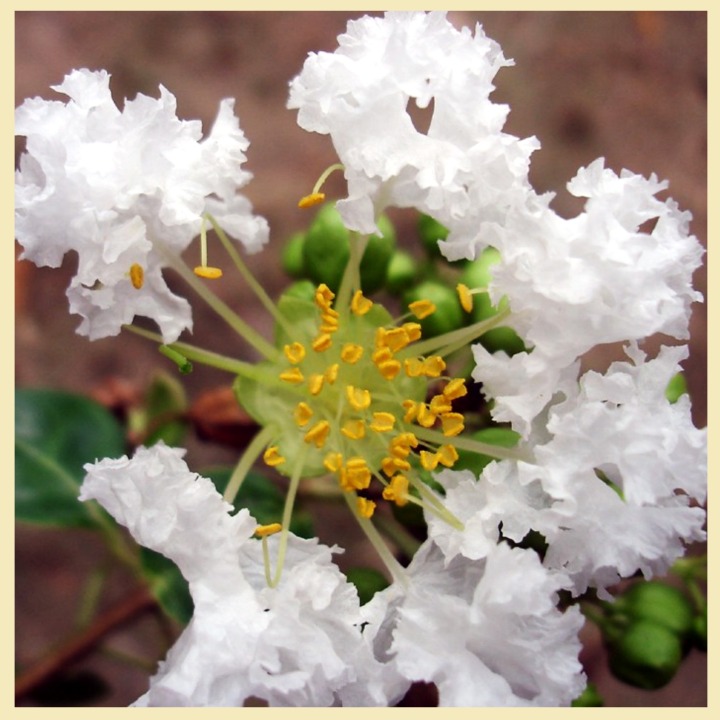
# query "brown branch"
(79, 646)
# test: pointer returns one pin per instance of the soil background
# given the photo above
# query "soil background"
(629, 86)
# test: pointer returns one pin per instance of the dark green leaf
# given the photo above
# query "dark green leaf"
(167, 585)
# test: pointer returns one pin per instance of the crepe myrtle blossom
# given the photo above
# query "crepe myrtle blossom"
(126, 190)
(464, 171)
(298, 643)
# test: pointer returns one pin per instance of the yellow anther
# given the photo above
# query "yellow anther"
(392, 465)
(311, 200)
(330, 323)
(382, 422)
(295, 353)
(137, 275)
(351, 353)
(425, 416)
(272, 456)
(353, 429)
(358, 398)
(434, 366)
(396, 339)
(315, 383)
(405, 441)
(411, 410)
(440, 404)
(355, 475)
(207, 272)
(452, 424)
(466, 298)
(455, 389)
(414, 367)
(447, 455)
(265, 530)
(365, 507)
(318, 433)
(381, 355)
(422, 308)
(413, 329)
(397, 490)
(293, 376)
(333, 462)
(380, 334)
(322, 342)
(360, 304)
(303, 413)
(389, 369)
(428, 460)
(331, 373)
(323, 296)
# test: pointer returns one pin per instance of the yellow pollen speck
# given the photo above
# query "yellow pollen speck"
(311, 200)
(137, 275)
(293, 376)
(351, 353)
(265, 530)
(452, 424)
(365, 507)
(358, 398)
(333, 462)
(331, 373)
(315, 383)
(428, 460)
(207, 272)
(360, 304)
(318, 433)
(382, 422)
(466, 299)
(353, 429)
(455, 389)
(434, 366)
(389, 369)
(422, 308)
(397, 490)
(322, 342)
(302, 414)
(272, 456)
(447, 455)
(295, 353)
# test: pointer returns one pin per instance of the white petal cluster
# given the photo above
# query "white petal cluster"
(464, 171)
(123, 188)
(298, 644)
(487, 632)
(616, 478)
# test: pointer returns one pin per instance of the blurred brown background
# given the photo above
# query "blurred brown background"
(627, 86)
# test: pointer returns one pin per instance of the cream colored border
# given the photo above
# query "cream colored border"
(6, 365)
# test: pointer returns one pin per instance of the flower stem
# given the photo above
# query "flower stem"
(251, 454)
(464, 443)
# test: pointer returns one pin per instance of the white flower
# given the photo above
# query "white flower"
(122, 189)
(486, 632)
(297, 644)
(601, 277)
(465, 171)
(619, 430)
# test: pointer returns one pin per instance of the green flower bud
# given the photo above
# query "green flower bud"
(292, 256)
(401, 271)
(302, 289)
(448, 315)
(646, 655)
(502, 338)
(676, 388)
(430, 231)
(699, 631)
(590, 697)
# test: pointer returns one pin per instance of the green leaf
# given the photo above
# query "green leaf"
(367, 581)
(166, 403)
(167, 585)
(499, 436)
(56, 433)
(263, 499)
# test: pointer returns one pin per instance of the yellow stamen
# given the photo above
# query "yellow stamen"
(318, 433)
(397, 490)
(315, 383)
(302, 414)
(357, 474)
(413, 329)
(434, 366)
(207, 272)
(330, 323)
(365, 507)
(351, 353)
(466, 299)
(414, 367)
(428, 460)
(295, 353)
(422, 308)
(381, 355)
(400, 445)
(440, 404)
(293, 376)
(272, 456)
(452, 424)
(425, 416)
(358, 398)
(392, 465)
(311, 200)
(265, 530)
(455, 389)
(389, 369)
(353, 429)
(333, 462)
(397, 338)
(380, 334)
(447, 455)
(137, 275)
(360, 304)
(382, 422)
(322, 342)
(323, 296)
(331, 373)
(411, 410)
